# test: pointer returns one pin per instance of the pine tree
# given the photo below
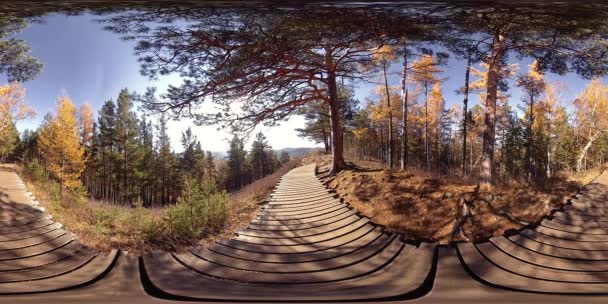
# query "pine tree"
(9, 142)
(127, 156)
(106, 147)
(192, 161)
(236, 163)
(284, 158)
(261, 158)
(147, 176)
(210, 169)
(166, 164)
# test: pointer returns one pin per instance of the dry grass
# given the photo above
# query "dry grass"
(141, 230)
(101, 226)
(432, 207)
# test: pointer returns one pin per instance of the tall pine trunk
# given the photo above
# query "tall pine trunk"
(404, 108)
(325, 137)
(465, 112)
(390, 120)
(530, 139)
(337, 148)
(489, 132)
(427, 153)
(381, 155)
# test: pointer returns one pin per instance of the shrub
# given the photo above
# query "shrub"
(105, 220)
(36, 172)
(199, 209)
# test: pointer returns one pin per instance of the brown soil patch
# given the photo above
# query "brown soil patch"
(428, 207)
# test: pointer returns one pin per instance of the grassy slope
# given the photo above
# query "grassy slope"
(140, 230)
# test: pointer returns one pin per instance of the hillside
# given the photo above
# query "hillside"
(445, 208)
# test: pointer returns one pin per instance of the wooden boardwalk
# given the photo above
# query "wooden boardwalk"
(565, 254)
(36, 254)
(306, 245)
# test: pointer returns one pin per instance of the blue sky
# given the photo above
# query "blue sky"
(93, 65)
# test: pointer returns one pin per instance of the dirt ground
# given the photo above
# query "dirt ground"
(445, 208)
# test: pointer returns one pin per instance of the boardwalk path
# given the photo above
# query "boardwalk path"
(304, 245)
(307, 245)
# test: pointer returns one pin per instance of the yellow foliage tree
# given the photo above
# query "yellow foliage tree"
(423, 73)
(436, 105)
(480, 84)
(533, 84)
(85, 122)
(12, 105)
(384, 55)
(591, 116)
(59, 145)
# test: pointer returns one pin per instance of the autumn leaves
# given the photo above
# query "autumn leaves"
(12, 109)
(60, 145)
(62, 139)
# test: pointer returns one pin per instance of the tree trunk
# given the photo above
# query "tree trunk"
(548, 171)
(426, 126)
(61, 179)
(583, 154)
(465, 112)
(125, 156)
(404, 108)
(337, 149)
(548, 168)
(325, 139)
(530, 138)
(381, 154)
(390, 120)
(487, 161)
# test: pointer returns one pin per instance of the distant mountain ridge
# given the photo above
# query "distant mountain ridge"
(297, 152)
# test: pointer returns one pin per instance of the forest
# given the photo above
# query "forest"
(121, 158)
(309, 62)
(543, 135)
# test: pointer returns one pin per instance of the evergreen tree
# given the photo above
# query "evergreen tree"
(236, 161)
(261, 158)
(513, 152)
(147, 176)
(127, 156)
(9, 142)
(166, 164)
(106, 140)
(210, 169)
(284, 158)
